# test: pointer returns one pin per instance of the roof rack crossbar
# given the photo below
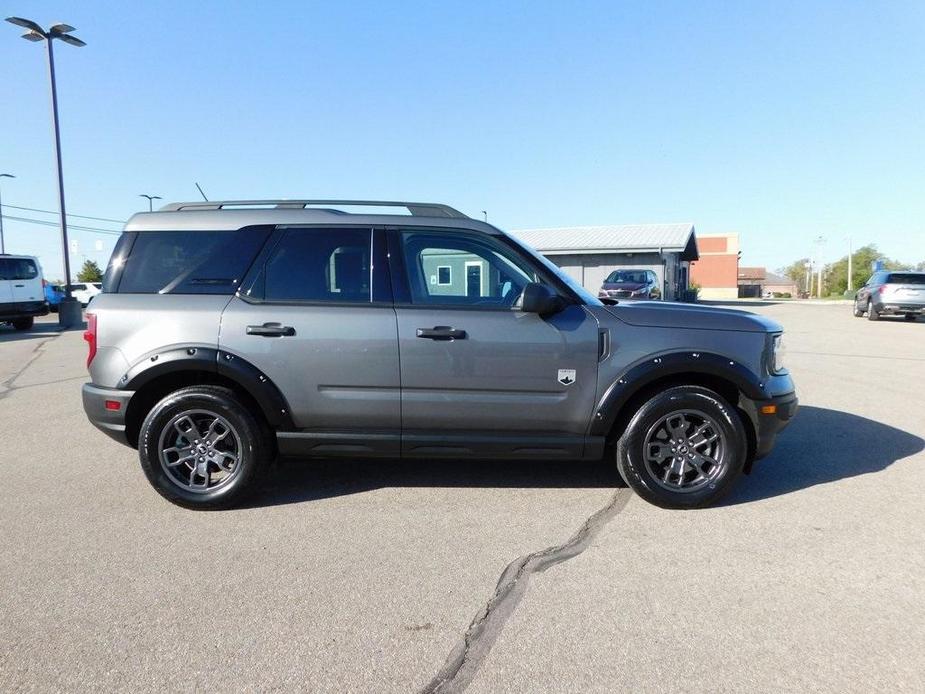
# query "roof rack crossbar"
(417, 209)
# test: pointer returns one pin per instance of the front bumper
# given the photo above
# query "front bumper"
(110, 421)
(769, 417)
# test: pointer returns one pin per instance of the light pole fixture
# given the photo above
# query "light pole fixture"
(485, 215)
(69, 310)
(151, 199)
(2, 245)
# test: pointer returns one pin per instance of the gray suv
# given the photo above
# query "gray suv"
(230, 333)
(891, 294)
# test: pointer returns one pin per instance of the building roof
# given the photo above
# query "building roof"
(624, 238)
(771, 278)
(752, 273)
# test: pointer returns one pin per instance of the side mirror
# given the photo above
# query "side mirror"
(540, 299)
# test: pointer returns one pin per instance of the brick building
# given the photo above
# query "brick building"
(717, 270)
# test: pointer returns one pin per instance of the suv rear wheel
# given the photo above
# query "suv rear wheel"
(201, 448)
(23, 323)
(871, 311)
(684, 448)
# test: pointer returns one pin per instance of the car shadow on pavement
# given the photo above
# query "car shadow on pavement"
(822, 446)
(819, 447)
(38, 331)
(294, 481)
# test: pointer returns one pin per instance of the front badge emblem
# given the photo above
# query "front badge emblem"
(566, 376)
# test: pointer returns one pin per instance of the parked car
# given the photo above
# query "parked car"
(53, 295)
(228, 334)
(891, 294)
(85, 291)
(22, 296)
(630, 284)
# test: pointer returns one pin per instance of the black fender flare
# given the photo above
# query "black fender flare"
(225, 364)
(653, 368)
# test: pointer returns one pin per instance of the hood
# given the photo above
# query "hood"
(627, 286)
(662, 314)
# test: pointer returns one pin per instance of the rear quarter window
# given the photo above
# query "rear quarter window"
(188, 262)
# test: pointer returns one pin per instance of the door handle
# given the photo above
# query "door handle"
(271, 330)
(441, 332)
(20, 285)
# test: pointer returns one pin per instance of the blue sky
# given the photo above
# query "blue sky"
(780, 121)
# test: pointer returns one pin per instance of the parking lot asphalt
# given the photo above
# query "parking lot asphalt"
(409, 576)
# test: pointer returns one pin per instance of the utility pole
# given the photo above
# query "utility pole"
(2, 245)
(820, 240)
(850, 259)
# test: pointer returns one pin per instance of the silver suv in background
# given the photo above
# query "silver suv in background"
(891, 294)
(230, 333)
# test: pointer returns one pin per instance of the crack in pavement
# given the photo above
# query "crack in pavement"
(467, 656)
(6, 386)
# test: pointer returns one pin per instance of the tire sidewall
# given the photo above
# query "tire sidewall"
(222, 402)
(630, 448)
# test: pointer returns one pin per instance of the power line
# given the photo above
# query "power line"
(78, 216)
(49, 223)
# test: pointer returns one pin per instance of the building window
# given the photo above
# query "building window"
(444, 275)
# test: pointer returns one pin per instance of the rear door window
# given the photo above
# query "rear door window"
(190, 262)
(18, 269)
(319, 265)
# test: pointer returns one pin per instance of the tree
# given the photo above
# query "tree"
(90, 272)
(835, 279)
(797, 272)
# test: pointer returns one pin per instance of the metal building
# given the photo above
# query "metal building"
(589, 254)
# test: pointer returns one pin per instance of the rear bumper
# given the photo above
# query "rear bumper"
(110, 421)
(769, 418)
(899, 307)
(22, 309)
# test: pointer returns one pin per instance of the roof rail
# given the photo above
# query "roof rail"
(417, 209)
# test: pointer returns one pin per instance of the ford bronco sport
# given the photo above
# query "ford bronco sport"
(229, 333)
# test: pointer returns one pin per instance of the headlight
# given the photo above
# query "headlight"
(640, 292)
(777, 354)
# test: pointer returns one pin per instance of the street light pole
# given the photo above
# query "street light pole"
(69, 308)
(151, 199)
(2, 244)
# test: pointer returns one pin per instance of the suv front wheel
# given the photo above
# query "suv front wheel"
(201, 448)
(684, 448)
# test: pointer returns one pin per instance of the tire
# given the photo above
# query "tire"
(858, 312)
(23, 323)
(910, 316)
(700, 483)
(871, 311)
(208, 420)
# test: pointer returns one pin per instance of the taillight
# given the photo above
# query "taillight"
(90, 337)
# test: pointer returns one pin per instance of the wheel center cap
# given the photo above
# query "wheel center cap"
(683, 449)
(202, 449)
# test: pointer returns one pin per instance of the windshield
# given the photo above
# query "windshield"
(583, 293)
(630, 276)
